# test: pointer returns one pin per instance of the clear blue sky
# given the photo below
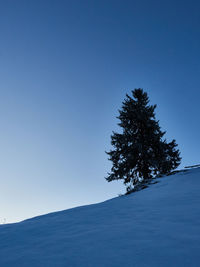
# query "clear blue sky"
(65, 67)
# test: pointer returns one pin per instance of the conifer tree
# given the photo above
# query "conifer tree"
(140, 151)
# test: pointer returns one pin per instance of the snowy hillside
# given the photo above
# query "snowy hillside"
(158, 226)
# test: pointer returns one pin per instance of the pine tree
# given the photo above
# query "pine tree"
(140, 152)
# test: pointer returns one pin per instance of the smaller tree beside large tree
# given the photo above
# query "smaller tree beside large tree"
(140, 151)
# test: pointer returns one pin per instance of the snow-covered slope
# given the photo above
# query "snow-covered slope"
(158, 226)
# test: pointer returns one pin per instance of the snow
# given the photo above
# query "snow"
(158, 226)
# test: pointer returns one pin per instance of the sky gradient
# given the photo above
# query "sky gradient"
(65, 67)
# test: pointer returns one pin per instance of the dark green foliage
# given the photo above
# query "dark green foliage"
(140, 152)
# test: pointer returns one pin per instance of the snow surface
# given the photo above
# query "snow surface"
(158, 226)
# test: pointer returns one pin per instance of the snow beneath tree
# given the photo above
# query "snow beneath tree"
(158, 226)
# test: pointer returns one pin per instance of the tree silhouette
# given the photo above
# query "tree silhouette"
(140, 152)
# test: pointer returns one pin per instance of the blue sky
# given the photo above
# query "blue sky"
(65, 67)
